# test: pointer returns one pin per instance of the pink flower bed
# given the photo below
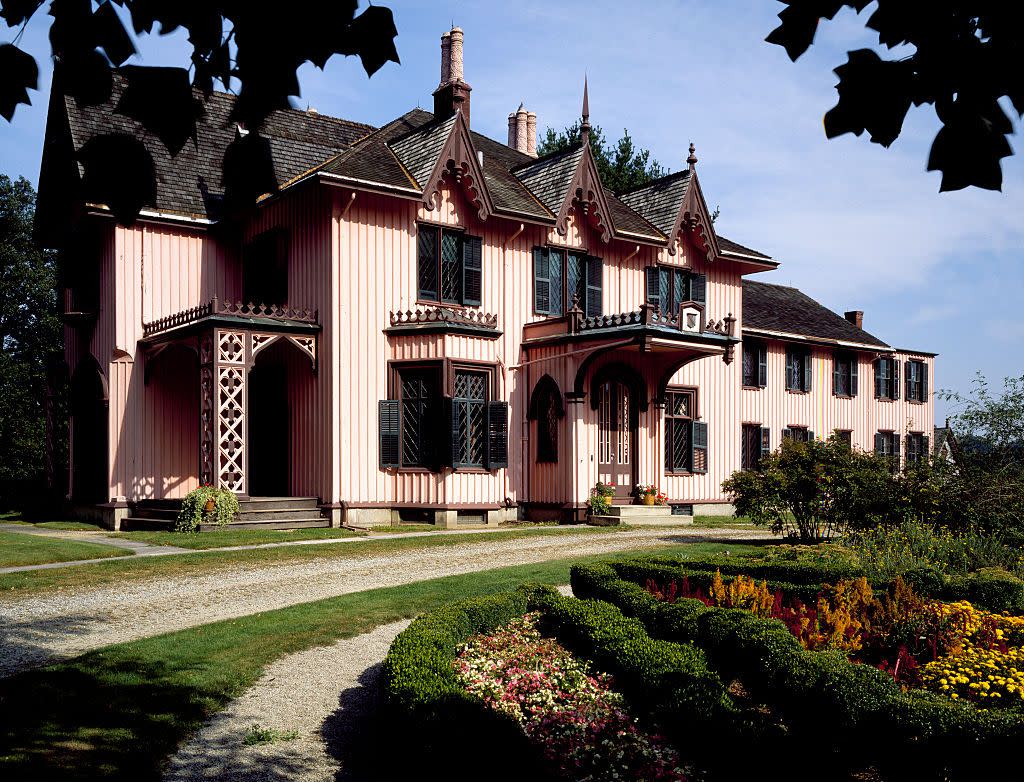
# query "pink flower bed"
(582, 725)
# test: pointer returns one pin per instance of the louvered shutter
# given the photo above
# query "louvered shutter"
(895, 385)
(698, 446)
(762, 365)
(472, 270)
(699, 288)
(854, 372)
(790, 374)
(836, 375)
(497, 435)
(896, 450)
(389, 430)
(806, 384)
(879, 443)
(877, 366)
(766, 443)
(924, 382)
(595, 287)
(907, 391)
(541, 282)
(810, 436)
(909, 446)
(651, 284)
(427, 262)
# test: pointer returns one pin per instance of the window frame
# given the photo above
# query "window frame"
(804, 366)
(464, 238)
(845, 363)
(760, 363)
(920, 450)
(689, 279)
(806, 434)
(672, 421)
(919, 383)
(891, 440)
(396, 369)
(585, 259)
(761, 436)
(471, 369)
(890, 381)
(844, 435)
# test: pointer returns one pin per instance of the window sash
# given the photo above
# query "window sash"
(678, 415)
(469, 422)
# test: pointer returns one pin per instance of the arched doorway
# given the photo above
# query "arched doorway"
(618, 394)
(278, 419)
(90, 480)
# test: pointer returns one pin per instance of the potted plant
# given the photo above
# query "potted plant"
(600, 502)
(206, 504)
(649, 495)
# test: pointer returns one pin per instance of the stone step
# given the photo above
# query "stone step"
(155, 513)
(278, 503)
(658, 521)
(631, 511)
(282, 514)
(297, 523)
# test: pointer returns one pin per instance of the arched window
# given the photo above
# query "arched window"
(546, 409)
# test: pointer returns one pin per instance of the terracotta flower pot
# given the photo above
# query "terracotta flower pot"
(211, 505)
(649, 499)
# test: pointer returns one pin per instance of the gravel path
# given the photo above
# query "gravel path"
(326, 695)
(38, 629)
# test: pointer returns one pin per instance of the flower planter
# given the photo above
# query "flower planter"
(648, 499)
(211, 505)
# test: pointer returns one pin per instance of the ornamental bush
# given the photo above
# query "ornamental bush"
(193, 508)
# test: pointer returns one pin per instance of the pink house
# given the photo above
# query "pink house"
(424, 322)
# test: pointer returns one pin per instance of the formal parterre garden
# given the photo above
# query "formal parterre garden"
(796, 663)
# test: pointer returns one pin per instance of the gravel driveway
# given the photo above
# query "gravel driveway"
(40, 629)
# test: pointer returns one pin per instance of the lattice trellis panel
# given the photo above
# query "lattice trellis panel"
(231, 428)
(207, 412)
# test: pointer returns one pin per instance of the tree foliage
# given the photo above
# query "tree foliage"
(623, 166)
(253, 48)
(29, 333)
(964, 59)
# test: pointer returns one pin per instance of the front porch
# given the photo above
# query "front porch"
(621, 424)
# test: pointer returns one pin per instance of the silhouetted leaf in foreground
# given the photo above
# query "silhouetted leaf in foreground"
(118, 172)
(161, 100)
(20, 75)
(248, 172)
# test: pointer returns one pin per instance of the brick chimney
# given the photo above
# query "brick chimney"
(522, 131)
(452, 94)
(856, 317)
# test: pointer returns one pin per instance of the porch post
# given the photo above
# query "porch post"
(224, 427)
(574, 409)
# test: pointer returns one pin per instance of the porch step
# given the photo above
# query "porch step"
(661, 520)
(640, 511)
(278, 523)
(253, 513)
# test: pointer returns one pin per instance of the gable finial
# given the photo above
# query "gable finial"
(691, 161)
(585, 124)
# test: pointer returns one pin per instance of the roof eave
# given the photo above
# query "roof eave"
(789, 336)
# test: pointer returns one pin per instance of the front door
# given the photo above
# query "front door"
(616, 459)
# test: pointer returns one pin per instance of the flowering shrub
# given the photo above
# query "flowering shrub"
(955, 648)
(582, 724)
(650, 490)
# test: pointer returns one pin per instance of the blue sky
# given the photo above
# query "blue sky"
(854, 225)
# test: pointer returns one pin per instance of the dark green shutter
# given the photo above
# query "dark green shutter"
(427, 262)
(541, 282)
(651, 284)
(896, 449)
(907, 391)
(854, 373)
(766, 443)
(472, 270)
(497, 435)
(388, 424)
(699, 288)
(877, 366)
(895, 386)
(762, 365)
(924, 382)
(879, 443)
(699, 447)
(836, 374)
(806, 385)
(810, 436)
(595, 287)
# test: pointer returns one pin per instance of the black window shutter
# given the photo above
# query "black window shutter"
(909, 447)
(790, 374)
(924, 382)
(699, 288)
(541, 282)
(895, 378)
(896, 447)
(810, 436)
(652, 284)
(907, 392)
(877, 364)
(879, 442)
(595, 287)
(836, 375)
(497, 434)
(699, 447)
(766, 442)
(390, 432)
(853, 375)
(472, 270)
(806, 385)
(427, 260)
(762, 365)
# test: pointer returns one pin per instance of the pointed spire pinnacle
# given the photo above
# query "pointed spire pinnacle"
(691, 161)
(585, 124)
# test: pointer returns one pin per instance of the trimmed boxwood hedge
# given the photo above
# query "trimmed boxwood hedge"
(838, 709)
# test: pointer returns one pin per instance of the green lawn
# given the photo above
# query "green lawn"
(723, 522)
(18, 549)
(118, 712)
(138, 568)
(220, 538)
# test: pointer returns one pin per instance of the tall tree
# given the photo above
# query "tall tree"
(29, 332)
(965, 59)
(254, 47)
(622, 166)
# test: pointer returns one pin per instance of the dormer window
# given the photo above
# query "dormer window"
(449, 266)
(563, 276)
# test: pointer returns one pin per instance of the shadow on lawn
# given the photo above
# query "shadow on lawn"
(94, 719)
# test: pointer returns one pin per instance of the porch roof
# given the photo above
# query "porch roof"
(236, 315)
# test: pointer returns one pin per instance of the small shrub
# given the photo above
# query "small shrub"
(193, 508)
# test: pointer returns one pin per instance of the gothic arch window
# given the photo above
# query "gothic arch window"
(546, 409)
